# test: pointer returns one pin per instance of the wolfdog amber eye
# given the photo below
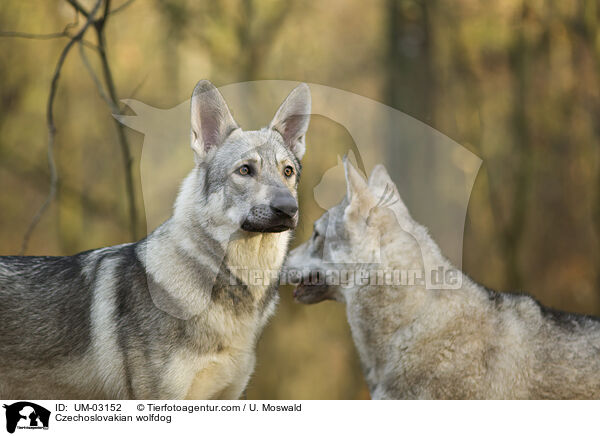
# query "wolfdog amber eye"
(288, 171)
(244, 170)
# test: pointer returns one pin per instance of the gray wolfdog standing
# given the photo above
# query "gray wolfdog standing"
(170, 316)
(419, 343)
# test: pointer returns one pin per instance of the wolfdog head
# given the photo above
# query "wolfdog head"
(348, 236)
(244, 180)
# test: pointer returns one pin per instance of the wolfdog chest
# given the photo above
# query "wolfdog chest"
(213, 351)
(185, 327)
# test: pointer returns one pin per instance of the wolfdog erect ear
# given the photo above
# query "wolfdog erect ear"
(384, 189)
(211, 119)
(292, 118)
(380, 178)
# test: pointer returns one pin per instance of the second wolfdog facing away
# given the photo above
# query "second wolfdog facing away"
(171, 316)
(419, 343)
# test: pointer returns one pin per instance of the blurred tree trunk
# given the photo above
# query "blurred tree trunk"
(177, 17)
(586, 25)
(512, 232)
(410, 84)
(257, 36)
(515, 223)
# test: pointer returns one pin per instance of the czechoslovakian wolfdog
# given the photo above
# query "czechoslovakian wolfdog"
(419, 343)
(169, 316)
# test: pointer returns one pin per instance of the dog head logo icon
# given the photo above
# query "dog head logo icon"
(26, 415)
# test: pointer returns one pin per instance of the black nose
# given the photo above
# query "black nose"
(284, 204)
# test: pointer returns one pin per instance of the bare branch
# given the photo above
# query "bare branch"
(8, 34)
(44, 36)
(135, 90)
(90, 70)
(88, 44)
(79, 8)
(107, 11)
(52, 128)
(120, 8)
(123, 142)
(36, 176)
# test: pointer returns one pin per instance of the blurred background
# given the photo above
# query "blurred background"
(515, 82)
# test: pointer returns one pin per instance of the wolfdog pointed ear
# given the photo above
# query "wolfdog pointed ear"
(211, 119)
(385, 190)
(379, 178)
(355, 183)
(292, 118)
